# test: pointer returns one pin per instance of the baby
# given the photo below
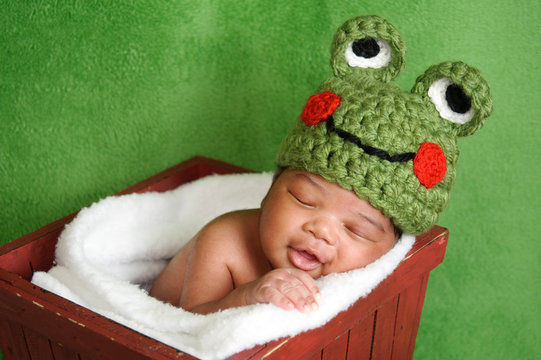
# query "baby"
(306, 227)
(365, 162)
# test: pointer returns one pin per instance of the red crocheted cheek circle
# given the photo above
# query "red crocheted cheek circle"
(429, 165)
(319, 107)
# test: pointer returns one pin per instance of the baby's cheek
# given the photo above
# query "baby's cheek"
(359, 255)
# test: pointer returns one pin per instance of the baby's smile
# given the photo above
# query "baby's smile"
(303, 259)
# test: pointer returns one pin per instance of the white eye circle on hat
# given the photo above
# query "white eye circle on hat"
(451, 101)
(368, 53)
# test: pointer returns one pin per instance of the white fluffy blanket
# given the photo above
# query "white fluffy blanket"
(107, 257)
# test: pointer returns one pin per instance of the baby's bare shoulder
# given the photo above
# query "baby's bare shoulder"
(229, 231)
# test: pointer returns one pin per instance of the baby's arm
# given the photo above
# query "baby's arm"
(287, 288)
(223, 272)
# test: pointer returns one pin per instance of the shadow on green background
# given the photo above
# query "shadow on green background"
(95, 96)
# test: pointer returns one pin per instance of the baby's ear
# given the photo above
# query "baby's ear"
(458, 93)
(369, 46)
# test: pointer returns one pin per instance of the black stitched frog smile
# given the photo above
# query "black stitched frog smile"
(382, 154)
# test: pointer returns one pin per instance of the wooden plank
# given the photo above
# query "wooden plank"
(24, 257)
(38, 345)
(35, 256)
(249, 354)
(315, 356)
(12, 341)
(417, 316)
(89, 333)
(360, 339)
(337, 349)
(383, 331)
(410, 303)
(436, 234)
(60, 352)
(5, 334)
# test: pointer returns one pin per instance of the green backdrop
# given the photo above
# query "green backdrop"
(97, 95)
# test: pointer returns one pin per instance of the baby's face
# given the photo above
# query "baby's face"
(317, 226)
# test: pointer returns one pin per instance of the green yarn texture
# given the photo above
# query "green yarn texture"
(378, 113)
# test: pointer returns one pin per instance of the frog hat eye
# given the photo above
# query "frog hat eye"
(368, 53)
(450, 101)
(368, 45)
(458, 93)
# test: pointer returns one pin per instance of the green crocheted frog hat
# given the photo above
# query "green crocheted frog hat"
(396, 149)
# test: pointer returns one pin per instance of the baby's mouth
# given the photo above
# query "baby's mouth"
(303, 259)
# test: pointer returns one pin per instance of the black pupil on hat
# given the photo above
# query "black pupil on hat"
(366, 48)
(457, 100)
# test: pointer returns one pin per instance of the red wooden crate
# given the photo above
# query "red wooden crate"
(37, 324)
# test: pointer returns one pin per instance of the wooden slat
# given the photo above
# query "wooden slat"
(249, 354)
(12, 341)
(383, 332)
(410, 303)
(24, 257)
(79, 328)
(360, 339)
(38, 345)
(337, 349)
(436, 233)
(60, 352)
(315, 356)
(417, 317)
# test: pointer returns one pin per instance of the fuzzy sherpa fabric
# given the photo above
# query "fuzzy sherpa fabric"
(114, 249)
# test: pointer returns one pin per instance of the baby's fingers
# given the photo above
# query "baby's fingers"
(308, 282)
(286, 288)
(298, 293)
(274, 296)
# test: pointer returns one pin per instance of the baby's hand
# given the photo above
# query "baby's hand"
(287, 288)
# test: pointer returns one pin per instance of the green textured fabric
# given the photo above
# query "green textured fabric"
(379, 115)
(97, 95)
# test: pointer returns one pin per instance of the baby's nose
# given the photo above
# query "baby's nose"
(323, 228)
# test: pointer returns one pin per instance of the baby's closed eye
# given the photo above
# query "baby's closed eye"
(302, 198)
(355, 231)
